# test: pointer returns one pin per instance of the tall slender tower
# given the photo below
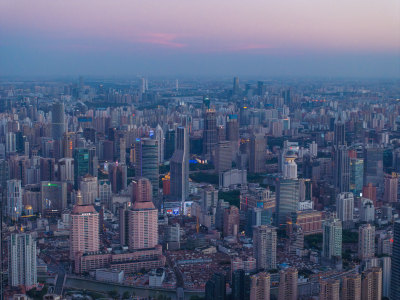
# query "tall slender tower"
(264, 246)
(14, 198)
(209, 133)
(57, 120)
(179, 166)
(395, 279)
(366, 242)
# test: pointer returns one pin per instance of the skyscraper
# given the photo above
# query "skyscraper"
(89, 189)
(290, 166)
(356, 175)
(240, 285)
(231, 221)
(373, 165)
(159, 136)
(179, 166)
(260, 286)
(366, 241)
(391, 186)
(223, 157)
(332, 239)
(345, 208)
(22, 260)
(287, 199)
(81, 164)
(257, 153)
(146, 165)
(288, 284)
(340, 133)
(232, 133)
(264, 246)
(216, 287)
(209, 133)
(395, 279)
(57, 120)
(236, 86)
(169, 144)
(14, 199)
(84, 236)
(342, 169)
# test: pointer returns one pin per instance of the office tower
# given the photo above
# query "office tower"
(329, 289)
(351, 287)
(22, 260)
(68, 144)
(264, 246)
(366, 242)
(57, 121)
(14, 199)
(373, 165)
(89, 189)
(146, 151)
(257, 153)
(332, 239)
(117, 175)
(179, 167)
(223, 157)
(395, 279)
(386, 264)
(141, 190)
(287, 199)
(369, 191)
(367, 210)
(66, 169)
(240, 285)
(231, 221)
(81, 164)
(260, 286)
(345, 209)
(53, 196)
(4, 174)
(84, 236)
(169, 144)
(172, 236)
(47, 169)
(288, 284)
(216, 287)
(391, 182)
(356, 175)
(105, 193)
(93, 161)
(341, 169)
(209, 133)
(143, 223)
(232, 133)
(290, 166)
(339, 133)
(260, 88)
(11, 143)
(159, 136)
(236, 86)
(371, 284)
(122, 150)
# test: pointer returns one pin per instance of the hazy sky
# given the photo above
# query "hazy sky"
(189, 37)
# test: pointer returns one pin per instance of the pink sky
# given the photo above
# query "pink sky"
(212, 26)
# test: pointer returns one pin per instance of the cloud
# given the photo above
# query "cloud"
(162, 39)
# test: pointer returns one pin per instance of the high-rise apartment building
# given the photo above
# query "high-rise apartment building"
(288, 284)
(391, 182)
(84, 236)
(366, 241)
(264, 246)
(14, 199)
(89, 189)
(332, 239)
(371, 284)
(345, 209)
(179, 166)
(22, 268)
(260, 286)
(231, 221)
(351, 287)
(141, 190)
(329, 289)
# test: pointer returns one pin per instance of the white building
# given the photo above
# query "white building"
(367, 210)
(22, 260)
(110, 275)
(345, 208)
